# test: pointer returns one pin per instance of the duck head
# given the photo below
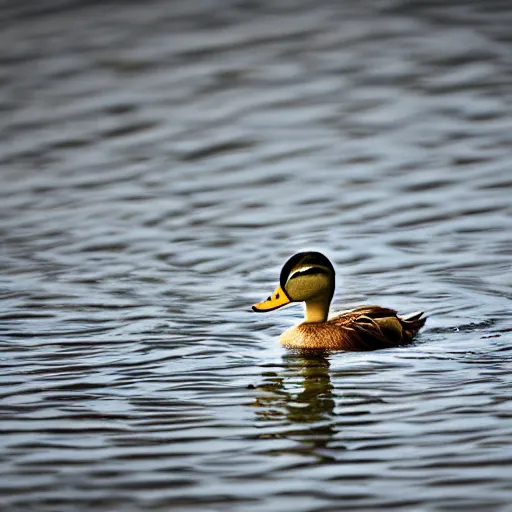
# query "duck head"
(306, 277)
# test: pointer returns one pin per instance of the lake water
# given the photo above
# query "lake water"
(160, 161)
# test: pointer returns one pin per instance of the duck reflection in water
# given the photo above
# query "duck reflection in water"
(299, 396)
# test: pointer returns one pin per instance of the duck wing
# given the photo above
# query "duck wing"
(374, 327)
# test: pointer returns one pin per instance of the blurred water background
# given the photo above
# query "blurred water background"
(160, 161)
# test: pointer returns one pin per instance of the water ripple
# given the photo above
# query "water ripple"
(158, 167)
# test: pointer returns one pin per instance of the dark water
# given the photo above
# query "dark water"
(160, 161)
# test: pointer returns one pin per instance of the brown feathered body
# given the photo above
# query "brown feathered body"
(362, 329)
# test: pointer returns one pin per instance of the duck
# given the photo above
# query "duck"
(309, 277)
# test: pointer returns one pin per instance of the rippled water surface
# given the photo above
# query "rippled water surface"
(159, 161)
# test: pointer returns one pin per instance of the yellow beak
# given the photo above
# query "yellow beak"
(275, 301)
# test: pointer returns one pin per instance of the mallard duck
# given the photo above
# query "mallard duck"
(309, 277)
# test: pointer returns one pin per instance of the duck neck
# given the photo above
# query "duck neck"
(316, 310)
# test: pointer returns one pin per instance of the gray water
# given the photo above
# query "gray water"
(160, 161)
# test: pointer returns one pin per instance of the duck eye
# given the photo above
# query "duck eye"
(277, 295)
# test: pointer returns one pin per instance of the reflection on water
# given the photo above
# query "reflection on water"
(299, 397)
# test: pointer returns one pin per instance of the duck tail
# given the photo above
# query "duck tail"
(412, 323)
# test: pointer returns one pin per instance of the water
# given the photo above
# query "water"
(160, 162)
